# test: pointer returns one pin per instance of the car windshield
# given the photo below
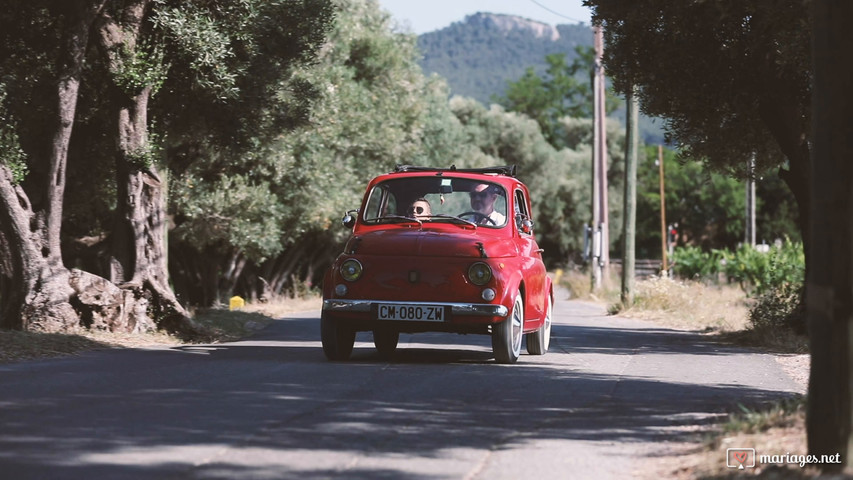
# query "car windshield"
(437, 199)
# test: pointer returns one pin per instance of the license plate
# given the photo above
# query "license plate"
(411, 313)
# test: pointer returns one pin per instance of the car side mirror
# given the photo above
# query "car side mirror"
(524, 223)
(349, 219)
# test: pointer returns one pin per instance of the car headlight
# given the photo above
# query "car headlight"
(351, 270)
(479, 273)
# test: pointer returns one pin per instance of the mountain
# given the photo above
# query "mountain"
(480, 54)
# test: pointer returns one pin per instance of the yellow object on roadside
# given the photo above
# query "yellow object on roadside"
(558, 275)
(237, 302)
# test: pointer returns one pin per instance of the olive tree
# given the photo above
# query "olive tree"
(221, 55)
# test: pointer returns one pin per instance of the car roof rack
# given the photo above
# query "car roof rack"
(508, 170)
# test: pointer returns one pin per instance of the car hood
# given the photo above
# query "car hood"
(428, 243)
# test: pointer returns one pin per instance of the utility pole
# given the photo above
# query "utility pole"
(663, 232)
(594, 236)
(629, 220)
(750, 204)
(601, 240)
(602, 159)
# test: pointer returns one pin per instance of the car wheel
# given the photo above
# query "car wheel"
(506, 336)
(386, 341)
(539, 341)
(338, 340)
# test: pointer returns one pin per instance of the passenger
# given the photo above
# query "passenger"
(420, 209)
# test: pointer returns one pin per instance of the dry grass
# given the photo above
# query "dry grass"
(221, 325)
(688, 305)
(17, 346)
(579, 285)
(281, 306)
(674, 303)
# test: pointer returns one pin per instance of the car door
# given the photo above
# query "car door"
(534, 268)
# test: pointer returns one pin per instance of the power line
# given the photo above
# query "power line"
(556, 13)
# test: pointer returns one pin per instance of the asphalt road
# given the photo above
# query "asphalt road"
(609, 394)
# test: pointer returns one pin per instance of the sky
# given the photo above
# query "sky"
(421, 16)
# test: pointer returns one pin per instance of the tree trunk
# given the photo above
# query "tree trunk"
(629, 199)
(783, 121)
(139, 260)
(38, 295)
(829, 304)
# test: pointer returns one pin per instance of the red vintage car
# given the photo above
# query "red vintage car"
(440, 249)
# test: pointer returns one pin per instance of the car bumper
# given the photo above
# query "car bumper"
(456, 309)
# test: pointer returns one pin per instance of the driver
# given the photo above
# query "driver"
(483, 198)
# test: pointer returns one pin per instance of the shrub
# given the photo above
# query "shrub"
(695, 264)
(757, 272)
(779, 308)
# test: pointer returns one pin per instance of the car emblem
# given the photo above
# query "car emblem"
(414, 276)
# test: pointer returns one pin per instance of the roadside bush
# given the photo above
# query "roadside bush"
(755, 271)
(773, 278)
(779, 308)
(695, 264)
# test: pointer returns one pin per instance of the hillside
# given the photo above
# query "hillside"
(479, 55)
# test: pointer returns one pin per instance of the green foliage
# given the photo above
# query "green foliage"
(232, 60)
(756, 271)
(776, 210)
(149, 153)
(781, 413)
(11, 153)
(764, 50)
(694, 263)
(232, 212)
(202, 43)
(707, 207)
(140, 68)
(375, 109)
(562, 91)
